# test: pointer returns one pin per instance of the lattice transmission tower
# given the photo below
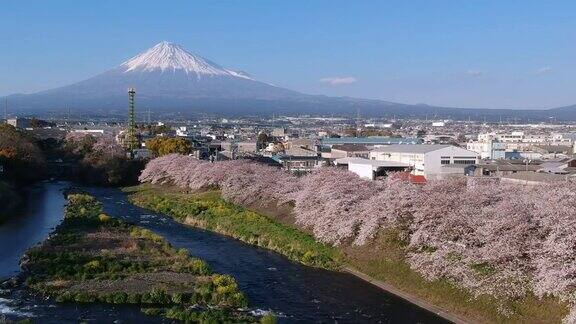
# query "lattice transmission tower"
(131, 140)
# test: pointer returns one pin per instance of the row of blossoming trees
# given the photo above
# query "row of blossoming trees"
(490, 238)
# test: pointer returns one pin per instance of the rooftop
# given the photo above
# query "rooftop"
(300, 152)
(418, 148)
(509, 167)
(536, 177)
(350, 147)
(373, 163)
(375, 140)
(407, 176)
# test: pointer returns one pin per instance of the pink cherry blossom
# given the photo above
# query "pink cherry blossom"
(490, 238)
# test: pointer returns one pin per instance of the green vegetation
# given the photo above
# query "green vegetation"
(21, 163)
(383, 259)
(168, 145)
(95, 258)
(190, 315)
(20, 156)
(209, 211)
(154, 129)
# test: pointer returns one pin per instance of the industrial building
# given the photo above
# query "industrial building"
(431, 161)
(370, 169)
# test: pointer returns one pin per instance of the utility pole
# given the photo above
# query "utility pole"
(6, 110)
(131, 134)
(358, 126)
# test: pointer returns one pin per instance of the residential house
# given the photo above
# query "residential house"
(304, 143)
(298, 159)
(505, 167)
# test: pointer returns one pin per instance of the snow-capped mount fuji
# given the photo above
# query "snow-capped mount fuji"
(167, 77)
(170, 79)
(170, 57)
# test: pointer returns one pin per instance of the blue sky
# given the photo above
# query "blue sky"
(466, 53)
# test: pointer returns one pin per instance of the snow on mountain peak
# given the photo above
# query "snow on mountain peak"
(172, 57)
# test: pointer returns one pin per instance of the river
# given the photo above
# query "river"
(271, 282)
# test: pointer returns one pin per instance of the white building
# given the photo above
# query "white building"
(514, 137)
(426, 160)
(379, 125)
(521, 137)
(19, 122)
(89, 131)
(370, 169)
(182, 131)
(489, 149)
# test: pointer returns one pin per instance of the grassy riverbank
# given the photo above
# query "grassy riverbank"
(92, 257)
(209, 211)
(382, 259)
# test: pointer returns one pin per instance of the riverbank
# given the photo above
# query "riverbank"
(10, 200)
(209, 211)
(383, 260)
(92, 257)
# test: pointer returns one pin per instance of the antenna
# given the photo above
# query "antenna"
(131, 135)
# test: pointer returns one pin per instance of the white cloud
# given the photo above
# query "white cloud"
(544, 70)
(475, 73)
(339, 80)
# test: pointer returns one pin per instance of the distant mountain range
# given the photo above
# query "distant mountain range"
(170, 79)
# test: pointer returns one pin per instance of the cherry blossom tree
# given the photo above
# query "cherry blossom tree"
(490, 238)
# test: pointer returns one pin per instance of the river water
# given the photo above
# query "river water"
(298, 294)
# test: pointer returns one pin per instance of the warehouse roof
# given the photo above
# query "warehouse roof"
(375, 140)
(350, 147)
(419, 148)
(374, 163)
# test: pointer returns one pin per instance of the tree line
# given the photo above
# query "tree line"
(21, 162)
